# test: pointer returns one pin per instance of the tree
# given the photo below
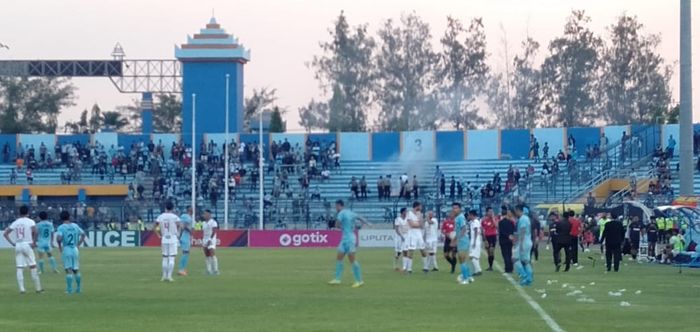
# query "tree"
(96, 120)
(314, 115)
(78, 127)
(526, 84)
(635, 81)
(462, 73)
(32, 105)
(277, 125)
(262, 100)
(570, 76)
(344, 71)
(167, 114)
(114, 121)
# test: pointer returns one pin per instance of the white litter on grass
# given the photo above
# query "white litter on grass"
(625, 304)
(592, 283)
(540, 291)
(583, 287)
(549, 282)
(576, 292)
(585, 300)
(564, 285)
(579, 267)
(622, 290)
(611, 293)
(544, 295)
(638, 292)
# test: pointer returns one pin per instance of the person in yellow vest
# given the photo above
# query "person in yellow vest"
(139, 225)
(661, 225)
(670, 226)
(198, 225)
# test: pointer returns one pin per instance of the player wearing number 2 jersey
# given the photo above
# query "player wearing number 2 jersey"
(168, 232)
(24, 231)
(69, 237)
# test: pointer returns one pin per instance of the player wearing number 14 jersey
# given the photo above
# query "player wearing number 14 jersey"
(24, 231)
(69, 237)
(169, 225)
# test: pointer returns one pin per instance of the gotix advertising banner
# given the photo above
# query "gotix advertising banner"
(233, 238)
(294, 239)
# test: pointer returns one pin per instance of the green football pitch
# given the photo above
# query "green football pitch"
(286, 290)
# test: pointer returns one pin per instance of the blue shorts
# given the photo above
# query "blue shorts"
(523, 254)
(71, 259)
(347, 245)
(43, 247)
(463, 245)
(185, 242)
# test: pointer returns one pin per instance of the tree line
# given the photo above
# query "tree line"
(398, 75)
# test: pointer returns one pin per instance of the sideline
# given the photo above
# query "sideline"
(543, 314)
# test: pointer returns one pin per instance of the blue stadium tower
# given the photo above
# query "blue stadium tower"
(206, 59)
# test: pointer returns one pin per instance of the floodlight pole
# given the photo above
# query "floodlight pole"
(686, 108)
(260, 169)
(193, 165)
(227, 175)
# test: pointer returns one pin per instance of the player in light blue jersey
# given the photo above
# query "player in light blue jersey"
(522, 247)
(185, 240)
(69, 237)
(462, 242)
(345, 221)
(44, 241)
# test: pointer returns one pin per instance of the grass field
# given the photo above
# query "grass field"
(285, 290)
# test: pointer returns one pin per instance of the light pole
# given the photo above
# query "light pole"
(194, 162)
(260, 167)
(227, 175)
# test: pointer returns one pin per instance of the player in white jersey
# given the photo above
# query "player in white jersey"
(401, 228)
(430, 231)
(168, 231)
(475, 235)
(415, 236)
(209, 230)
(24, 241)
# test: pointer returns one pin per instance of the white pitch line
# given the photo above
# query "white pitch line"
(543, 314)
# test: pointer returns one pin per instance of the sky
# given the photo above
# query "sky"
(284, 35)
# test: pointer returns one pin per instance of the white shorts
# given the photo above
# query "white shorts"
(431, 246)
(24, 255)
(475, 252)
(399, 244)
(211, 246)
(169, 249)
(414, 242)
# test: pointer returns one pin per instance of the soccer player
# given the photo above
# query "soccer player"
(490, 228)
(185, 240)
(461, 241)
(70, 237)
(415, 236)
(401, 228)
(44, 241)
(449, 250)
(347, 218)
(431, 240)
(24, 230)
(475, 235)
(209, 229)
(167, 231)
(522, 247)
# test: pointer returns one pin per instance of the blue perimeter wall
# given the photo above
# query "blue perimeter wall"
(393, 146)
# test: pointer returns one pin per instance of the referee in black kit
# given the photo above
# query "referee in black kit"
(506, 228)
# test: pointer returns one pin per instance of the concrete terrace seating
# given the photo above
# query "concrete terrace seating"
(52, 176)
